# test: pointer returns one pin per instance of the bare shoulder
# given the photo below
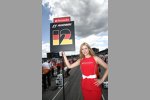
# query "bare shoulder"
(97, 58)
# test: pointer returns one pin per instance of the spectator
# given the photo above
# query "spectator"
(58, 66)
(46, 74)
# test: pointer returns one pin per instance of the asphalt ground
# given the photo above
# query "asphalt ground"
(71, 87)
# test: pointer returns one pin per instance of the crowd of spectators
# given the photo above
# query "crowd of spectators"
(52, 67)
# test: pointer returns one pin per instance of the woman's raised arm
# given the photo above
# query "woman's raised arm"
(75, 64)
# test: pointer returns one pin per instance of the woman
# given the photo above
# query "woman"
(90, 84)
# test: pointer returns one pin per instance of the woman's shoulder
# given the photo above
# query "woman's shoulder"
(95, 57)
(80, 59)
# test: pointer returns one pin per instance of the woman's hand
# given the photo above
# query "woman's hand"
(62, 53)
(98, 82)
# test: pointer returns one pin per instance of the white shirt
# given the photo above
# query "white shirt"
(46, 65)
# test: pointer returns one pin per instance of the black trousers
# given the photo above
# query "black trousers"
(58, 69)
(46, 80)
(52, 72)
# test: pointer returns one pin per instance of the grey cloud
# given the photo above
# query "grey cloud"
(90, 16)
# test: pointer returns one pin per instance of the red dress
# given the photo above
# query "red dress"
(89, 90)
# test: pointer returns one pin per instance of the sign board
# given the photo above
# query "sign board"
(62, 37)
(61, 19)
(53, 55)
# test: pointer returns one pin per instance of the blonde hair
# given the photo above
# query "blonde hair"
(91, 52)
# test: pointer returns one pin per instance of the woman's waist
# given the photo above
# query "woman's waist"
(92, 76)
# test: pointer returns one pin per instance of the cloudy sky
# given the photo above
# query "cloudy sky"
(90, 17)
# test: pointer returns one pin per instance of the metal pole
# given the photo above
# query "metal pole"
(63, 77)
